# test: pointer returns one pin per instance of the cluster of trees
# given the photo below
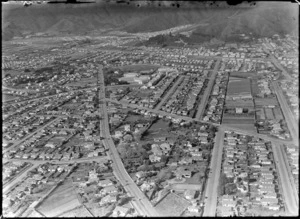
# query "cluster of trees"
(226, 186)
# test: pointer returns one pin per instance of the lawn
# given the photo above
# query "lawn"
(172, 205)
(158, 129)
(61, 200)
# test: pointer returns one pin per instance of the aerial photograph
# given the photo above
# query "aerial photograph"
(147, 108)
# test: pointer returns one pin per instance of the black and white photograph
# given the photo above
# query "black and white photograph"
(148, 108)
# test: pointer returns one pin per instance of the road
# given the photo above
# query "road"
(123, 85)
(80, 160)
(278, 65)
(288, 115)
(159, 112)
(16, 89)
(289, 193)
(207, 92)
(29, 136)
(142, 203)
(186, 118)
(289, 170)
(262, 136)
(211, 191)
(18, 179)
(171, 91)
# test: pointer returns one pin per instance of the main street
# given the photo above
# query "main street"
(142, 204)
(186, 118)
(290, 195)
(211, 192)
(288, 115)
(207, 92)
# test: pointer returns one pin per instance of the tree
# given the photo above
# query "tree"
(124, 200)
(230, 189)
(147, 146)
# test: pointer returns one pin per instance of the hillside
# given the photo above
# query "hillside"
(263, 19)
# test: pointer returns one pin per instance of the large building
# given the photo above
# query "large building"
(238, 88)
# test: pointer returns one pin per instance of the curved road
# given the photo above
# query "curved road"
(142, 204)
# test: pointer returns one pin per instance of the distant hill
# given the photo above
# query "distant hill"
(263, 20)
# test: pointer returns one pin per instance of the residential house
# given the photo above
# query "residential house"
(121, 211)
(109, 189)
(190, 194)
(108, 199)
(268, 201)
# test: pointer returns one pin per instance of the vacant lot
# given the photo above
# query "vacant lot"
(61, 200)
(172, 205)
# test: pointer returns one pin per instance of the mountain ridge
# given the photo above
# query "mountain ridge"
(262, 20)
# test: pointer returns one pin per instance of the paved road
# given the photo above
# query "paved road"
(159, 112)
(171, 91)
(81, 160)
(123, 85)
(289, 170)
(186, 118)
(142, 203)
(211, 191)
(207, 92)
(288, 115)
(262, 136)
(18, 179)
(29, 136)
(289, 194)
(15, 89)
(54, 95)
(278, 65)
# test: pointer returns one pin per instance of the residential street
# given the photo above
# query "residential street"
(143, 204)
(170, 92)
(288, 115)
(207, 92)
(29, 136)
(211, 193)
(289, 192)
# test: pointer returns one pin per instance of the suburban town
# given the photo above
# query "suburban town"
(99, 126)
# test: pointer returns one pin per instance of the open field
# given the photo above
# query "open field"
(78, 212)
(61, 200)
(186, 186)
(138, 67)
(172, 205)
(196, 178)
(158, 129)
